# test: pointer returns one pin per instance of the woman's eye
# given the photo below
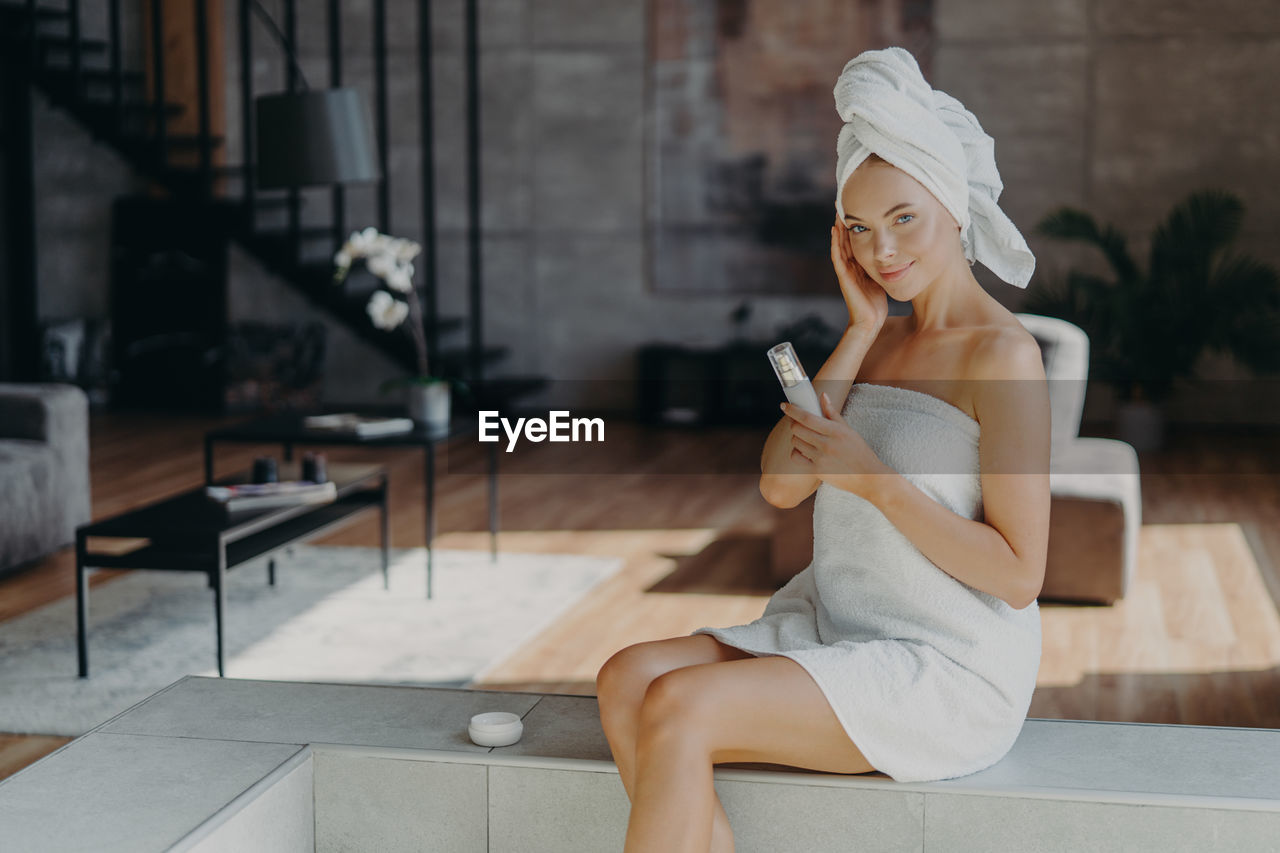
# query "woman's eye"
(908, 216)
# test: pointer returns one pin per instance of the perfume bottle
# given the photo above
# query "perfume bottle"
(795, 383)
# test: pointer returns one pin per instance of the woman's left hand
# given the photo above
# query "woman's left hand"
(836, 453)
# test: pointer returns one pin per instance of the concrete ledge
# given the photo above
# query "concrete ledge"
(110, 792)
(276, 814)
(227, 764)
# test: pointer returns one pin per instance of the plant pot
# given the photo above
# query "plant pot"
(429, 405)
(1141, 424)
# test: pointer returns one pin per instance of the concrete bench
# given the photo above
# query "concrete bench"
(213, 764)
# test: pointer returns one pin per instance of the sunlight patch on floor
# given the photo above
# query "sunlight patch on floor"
(1198, 603)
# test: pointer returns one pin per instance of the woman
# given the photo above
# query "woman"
(911, 643)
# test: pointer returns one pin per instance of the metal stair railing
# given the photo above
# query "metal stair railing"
(140, 130)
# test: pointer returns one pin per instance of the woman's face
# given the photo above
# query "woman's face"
(893, 221)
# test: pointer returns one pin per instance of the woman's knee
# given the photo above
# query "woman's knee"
(675, 704)
(624, 674)
(631, 671)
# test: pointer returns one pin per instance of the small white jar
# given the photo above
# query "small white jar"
(495, 728)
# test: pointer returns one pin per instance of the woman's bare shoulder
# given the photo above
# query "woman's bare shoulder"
(1005, 350)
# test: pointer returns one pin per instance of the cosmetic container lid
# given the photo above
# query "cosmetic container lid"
(495, 721)
(495, 728)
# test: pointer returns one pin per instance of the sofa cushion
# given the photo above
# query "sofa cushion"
(43, 411)
(1064, 348)
(1094, 520)
(1097, 468)
(45, 513)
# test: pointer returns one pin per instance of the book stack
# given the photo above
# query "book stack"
(363, 426)
(267, 495)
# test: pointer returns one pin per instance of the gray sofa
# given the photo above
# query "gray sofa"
(1096, 508)
(44, 469)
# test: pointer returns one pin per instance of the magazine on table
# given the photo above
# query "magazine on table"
(363, 426)
(266, 495)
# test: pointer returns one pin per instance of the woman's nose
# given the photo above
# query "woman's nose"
(884, 250)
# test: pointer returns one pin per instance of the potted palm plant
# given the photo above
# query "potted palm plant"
(1148, 327)
(390, 259)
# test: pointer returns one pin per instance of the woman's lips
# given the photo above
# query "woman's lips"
(897, 273)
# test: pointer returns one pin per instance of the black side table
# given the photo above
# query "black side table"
(190, 533)
(287, 429)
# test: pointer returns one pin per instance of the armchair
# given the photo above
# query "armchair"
(1096, 508)
(1097, 495)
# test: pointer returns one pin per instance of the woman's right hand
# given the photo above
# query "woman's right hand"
(867, 301)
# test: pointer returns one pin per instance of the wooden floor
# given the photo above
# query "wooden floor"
(1196, 640)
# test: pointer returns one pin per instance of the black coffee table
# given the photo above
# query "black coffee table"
(190, 533)
(287, 429)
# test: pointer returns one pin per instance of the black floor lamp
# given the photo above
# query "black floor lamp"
(312, 137)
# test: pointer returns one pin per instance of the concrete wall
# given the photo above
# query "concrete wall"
(1122, 109)
(5, 334)
(1118, 107)
(77, 179)
(564, 266)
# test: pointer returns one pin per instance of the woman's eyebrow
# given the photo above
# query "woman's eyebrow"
(886, 213)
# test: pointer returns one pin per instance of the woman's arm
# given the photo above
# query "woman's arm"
(1005, 554)
(786, 477)
(784, 481)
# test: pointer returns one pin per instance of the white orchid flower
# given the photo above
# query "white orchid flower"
(364, 242)
(390, 259)
(381, 265)
(401, 279)
(386, 311)
(407, 250)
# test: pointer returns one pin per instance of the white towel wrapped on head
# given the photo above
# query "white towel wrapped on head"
(890, 110)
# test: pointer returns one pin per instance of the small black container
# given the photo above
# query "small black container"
(264, 470)
(314, 468)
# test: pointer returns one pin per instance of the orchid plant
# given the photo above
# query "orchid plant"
(391, 260)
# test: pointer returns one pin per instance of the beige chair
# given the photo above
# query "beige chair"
(1096, 508)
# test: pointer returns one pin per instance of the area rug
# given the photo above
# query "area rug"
(328, 618)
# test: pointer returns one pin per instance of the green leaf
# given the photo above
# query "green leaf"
(1148, 329)
(1184, 246)
(1068, 223)
(1254, 340)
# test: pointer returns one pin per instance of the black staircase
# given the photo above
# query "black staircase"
(127, 109)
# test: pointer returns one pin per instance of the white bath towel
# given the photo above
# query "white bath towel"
(890, 109)
(930, 677)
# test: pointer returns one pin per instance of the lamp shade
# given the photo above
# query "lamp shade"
(314, 137)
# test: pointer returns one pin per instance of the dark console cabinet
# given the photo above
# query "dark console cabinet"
(168, 307)
(727, 385)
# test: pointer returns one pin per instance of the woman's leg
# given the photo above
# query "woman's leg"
(766, 709)
(620, 690)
